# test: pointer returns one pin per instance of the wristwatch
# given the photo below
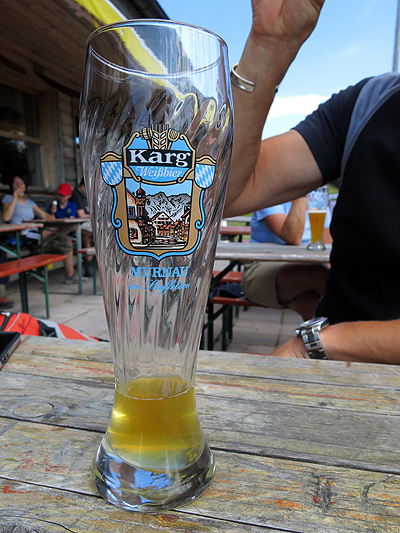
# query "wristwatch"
(309, 332)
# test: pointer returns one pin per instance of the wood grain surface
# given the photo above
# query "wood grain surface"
(300, 446)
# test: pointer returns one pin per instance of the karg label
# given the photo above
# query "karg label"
(158, 185)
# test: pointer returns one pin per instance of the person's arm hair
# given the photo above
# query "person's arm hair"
(280, 168)
(362, 342)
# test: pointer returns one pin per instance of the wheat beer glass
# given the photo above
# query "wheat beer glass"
(156, 133)
(317, 204)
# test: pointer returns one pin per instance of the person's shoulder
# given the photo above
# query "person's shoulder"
(7, 198)
(376, 85)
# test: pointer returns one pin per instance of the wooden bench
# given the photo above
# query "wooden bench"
(227, 305)
(31, 265)
(234, 276)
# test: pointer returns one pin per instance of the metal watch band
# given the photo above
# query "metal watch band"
(309, 332)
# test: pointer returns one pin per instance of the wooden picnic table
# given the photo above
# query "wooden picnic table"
(246, 252)
(64, 227)
(300, 445)
(242, 219)
(17, 230)
(234, 231)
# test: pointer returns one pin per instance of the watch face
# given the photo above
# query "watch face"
(320, 321)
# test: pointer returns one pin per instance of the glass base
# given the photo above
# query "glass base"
(316, 246)
(136, 489)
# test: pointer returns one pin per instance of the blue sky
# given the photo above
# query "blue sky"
(354, 39)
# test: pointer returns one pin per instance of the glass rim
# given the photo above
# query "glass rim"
(152, 22)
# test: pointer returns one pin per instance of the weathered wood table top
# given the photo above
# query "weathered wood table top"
(300, 446)
(252, 251)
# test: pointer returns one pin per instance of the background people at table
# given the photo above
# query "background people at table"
(17, 208)
(63, 208)
(277, 284)
(362, 295)
(79, 197)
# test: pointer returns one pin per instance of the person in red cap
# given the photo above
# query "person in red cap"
(63, 208)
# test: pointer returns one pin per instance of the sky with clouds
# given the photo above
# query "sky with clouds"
(354, 39)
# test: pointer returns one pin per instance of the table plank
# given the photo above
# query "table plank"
(28, 359)
(55, 511)
(229, 409)
(311, 497)
(248, 251)
(301, 446)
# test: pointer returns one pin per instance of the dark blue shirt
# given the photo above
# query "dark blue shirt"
(68, 211)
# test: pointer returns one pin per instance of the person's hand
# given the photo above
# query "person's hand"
(292, 348)
(18, 193)
(289, 20)
(53, 209)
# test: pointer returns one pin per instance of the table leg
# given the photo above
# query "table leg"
(46, 289)
(18, 245)
(94, 272)
(23, 292)
(79, 256)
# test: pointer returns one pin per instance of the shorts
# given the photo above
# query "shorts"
(259, 283)
(58, 244)
(87, 226)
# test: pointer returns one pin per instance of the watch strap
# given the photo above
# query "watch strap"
(309, 332)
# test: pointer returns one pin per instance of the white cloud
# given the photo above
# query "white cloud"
(295, 105)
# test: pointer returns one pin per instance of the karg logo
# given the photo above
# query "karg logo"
(158, 186)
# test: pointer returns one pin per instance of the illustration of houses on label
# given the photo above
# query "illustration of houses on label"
(158, 187)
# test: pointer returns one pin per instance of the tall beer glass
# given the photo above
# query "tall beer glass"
(317, 205)
(156, 135)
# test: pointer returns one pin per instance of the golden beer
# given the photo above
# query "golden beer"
(317, 220)
(155, 424)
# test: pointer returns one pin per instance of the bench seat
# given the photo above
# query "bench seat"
(31, 265)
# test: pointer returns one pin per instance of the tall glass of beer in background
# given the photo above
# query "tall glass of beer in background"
(317, 205)
(156, 132)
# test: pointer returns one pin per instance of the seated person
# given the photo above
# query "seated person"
(79, 198)
(354, 136)
(17, 207)
(63, 208)
(277, 284)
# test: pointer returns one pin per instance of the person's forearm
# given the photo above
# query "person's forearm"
(293, 227)
(81, 214)
(8, 210)
(370, 342)
(266, 67)
(279, 28)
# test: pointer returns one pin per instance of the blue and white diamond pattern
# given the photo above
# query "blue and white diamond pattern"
(204, 175)
(111, 172)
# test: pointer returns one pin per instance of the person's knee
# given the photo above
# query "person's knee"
(295, 279)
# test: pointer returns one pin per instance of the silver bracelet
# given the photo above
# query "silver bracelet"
(242, 83)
